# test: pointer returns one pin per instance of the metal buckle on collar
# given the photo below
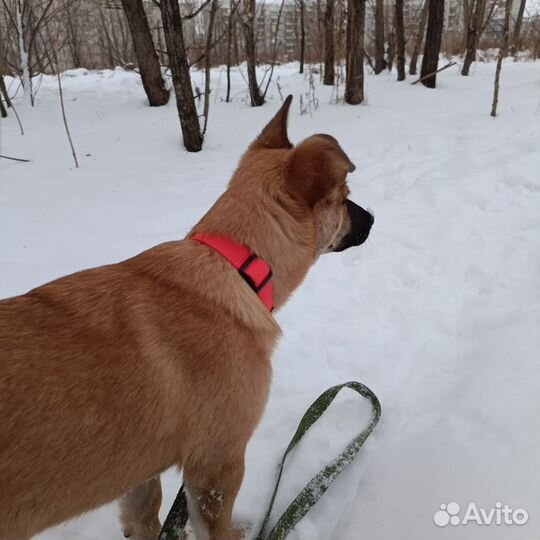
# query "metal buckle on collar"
(248, 279)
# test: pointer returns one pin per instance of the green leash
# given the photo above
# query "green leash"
(316, 487)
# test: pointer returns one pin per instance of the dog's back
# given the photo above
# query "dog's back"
(102, 374)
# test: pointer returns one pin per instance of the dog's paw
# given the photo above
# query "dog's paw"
(238, 531)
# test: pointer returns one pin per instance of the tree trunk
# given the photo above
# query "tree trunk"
(249, 36)
(473, 34)
(517, 30)
(354, 80)
(502, 54)
(302, 36)
(208, 62)
(149, 67)
(419, 38)
(72, 33)
(107, 44)
(433, 42)
(320, 35)
(380, 62)
(329, 44)
(390, 50)
(3, 90)
(3, 112)
(466, 11)
(235, 38)
(400, 40)
(187, 112)
(274, 51)
(229, 49)
(23, 54)
(489, 16)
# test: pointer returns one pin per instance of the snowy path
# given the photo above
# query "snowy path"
(439, 312)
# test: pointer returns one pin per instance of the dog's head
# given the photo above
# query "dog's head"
(289, 204)
(314, 174)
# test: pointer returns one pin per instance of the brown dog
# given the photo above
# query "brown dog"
(112, 375)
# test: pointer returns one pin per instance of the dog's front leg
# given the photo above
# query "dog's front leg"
(212, 485)
(139, 511)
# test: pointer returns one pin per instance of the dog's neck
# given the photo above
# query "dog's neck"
(286, 244)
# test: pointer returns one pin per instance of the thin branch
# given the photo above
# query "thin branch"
(65, 119)
(197, 11)
(274, 52)
(503, 51)
(368, 58)
(61, 94)
(203, 55)
(11, 17)
(18, 119)
(15, 159)
(212, 18)
(450, 64)
(38, 24)
(488, 18)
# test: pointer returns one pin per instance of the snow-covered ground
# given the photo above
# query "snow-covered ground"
(439, 312)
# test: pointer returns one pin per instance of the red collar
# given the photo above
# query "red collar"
(255, 271)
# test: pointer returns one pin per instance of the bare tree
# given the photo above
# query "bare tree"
(419, 37)
(3, 95)
(207, 62)
(270, 72)
(248, 23)
(517, 30)
(400, 40)
(3, 90)
(185, 102)
(432, 47)
(3, 111)
(380, 62)
(149, 67)
(329, 44)
(354, 80)
(466, 13)
(502, 54)
(115, 35)
(390, 49)
(26, 77)
(302, 35)
(231, 38)
(473, 33)
(319, 32)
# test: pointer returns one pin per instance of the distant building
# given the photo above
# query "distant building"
(277, 31)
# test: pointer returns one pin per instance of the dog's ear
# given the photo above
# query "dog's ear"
(274, 135)
(318, 165)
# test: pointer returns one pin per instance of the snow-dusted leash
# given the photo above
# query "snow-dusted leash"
(316, 487)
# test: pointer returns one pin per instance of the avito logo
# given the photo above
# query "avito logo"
(449, 514)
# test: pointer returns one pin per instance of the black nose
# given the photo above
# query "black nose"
(361, 223)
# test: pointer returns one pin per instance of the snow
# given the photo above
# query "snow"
(438, 313)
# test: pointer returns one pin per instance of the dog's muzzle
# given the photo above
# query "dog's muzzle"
(361, 223)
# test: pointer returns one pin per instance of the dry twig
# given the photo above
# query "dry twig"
(450, 64)
(14, 158)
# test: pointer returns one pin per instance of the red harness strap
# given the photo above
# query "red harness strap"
(255, 271)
